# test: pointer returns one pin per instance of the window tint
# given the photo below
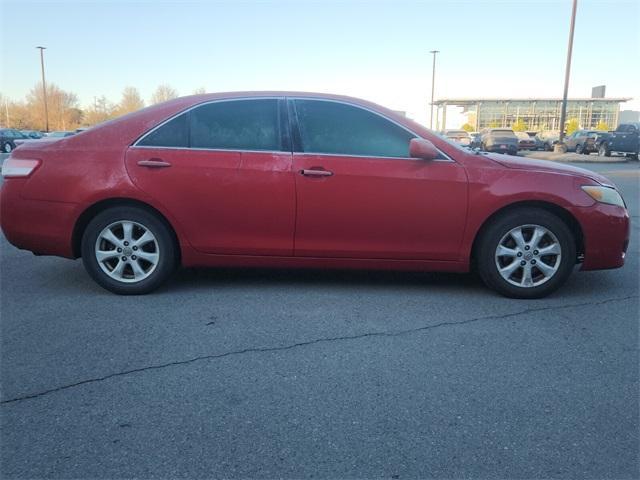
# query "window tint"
(171, 134)
(236, 125)
(331, 127)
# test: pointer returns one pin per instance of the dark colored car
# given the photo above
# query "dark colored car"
(287, 179)
(35, 134)
(625, 139)
(9, 137)
(499, 140)
(548, 138)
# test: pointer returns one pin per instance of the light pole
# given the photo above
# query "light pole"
(433, 83)
(44, 90)
(563, 111)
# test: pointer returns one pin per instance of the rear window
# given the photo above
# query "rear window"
(507, 133)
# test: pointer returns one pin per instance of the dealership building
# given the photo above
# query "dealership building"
(537, 113)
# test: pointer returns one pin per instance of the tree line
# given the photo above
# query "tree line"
(65, 111)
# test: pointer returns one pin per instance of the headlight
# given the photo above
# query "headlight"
(604, 195)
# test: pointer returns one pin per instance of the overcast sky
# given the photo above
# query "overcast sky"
(376, 50)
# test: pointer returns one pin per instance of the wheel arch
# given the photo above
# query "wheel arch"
(562, 213)
(102, 205)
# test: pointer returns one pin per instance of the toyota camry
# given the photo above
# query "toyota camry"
(284, 179)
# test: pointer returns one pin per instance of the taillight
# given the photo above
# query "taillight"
(14, 167)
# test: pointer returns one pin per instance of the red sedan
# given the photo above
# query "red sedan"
(302, 180)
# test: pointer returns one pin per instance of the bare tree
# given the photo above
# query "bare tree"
(101, 111)
(130, 102)
(63, 108)
(163, 93)
(199, 91)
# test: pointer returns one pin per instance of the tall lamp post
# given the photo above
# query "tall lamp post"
(563, 111)
(44, 90)
(433, 83)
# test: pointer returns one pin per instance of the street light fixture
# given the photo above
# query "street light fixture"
(433, 80)
(563, 112)
(44, 90)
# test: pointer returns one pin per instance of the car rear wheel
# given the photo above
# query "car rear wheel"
(579, 149)
(129, 250)
(603, 151)
(526, 253)
(7, 148)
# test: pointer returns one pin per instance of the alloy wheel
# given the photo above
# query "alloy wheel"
(127, 251)
(528, 256)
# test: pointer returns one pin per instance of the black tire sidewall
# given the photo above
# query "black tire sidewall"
(164, 236)
(503, 224)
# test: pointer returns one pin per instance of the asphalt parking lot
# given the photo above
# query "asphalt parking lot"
(265, 374)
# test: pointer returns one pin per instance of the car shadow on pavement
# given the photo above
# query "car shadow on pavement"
(196, 278)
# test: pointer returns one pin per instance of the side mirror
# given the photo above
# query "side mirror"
(421, 148)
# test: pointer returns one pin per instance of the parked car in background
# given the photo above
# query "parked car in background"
(582, 141)
(548, 138)
(475, 140)
(539, 143)
(10, 138)
(499, 140)
(59, 134)
(525, 141)
(133, 197)
(459, 136)
(35, 134)
(625, 140)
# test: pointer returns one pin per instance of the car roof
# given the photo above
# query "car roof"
(126, 129)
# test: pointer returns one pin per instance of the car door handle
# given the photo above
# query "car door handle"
(154, 163)
(315, 173)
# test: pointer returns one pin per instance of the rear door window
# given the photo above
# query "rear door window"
(236, 125)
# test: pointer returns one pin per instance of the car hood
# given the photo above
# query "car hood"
(521, 163)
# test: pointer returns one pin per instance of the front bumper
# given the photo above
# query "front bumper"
(606, 230)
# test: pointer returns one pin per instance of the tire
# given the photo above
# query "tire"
(150, 253)
(557, 237)
(579, 149)
(603, 151)
(7, 148)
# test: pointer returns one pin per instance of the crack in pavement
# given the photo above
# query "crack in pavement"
(392, 333)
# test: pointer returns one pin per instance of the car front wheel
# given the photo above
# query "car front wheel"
(129, 250)
(526, 253)
(7, 148)
(603, 151)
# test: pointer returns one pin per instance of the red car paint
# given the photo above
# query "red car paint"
(239, 208)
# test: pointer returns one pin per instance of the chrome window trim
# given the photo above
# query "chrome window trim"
(192, 107)
(320, 99)
(236, 150)
(447, 160)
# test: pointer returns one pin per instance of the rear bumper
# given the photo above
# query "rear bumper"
(606, 230)
(500, 149)
(42, 227)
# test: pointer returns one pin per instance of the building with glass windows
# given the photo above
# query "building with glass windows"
(536, 113)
